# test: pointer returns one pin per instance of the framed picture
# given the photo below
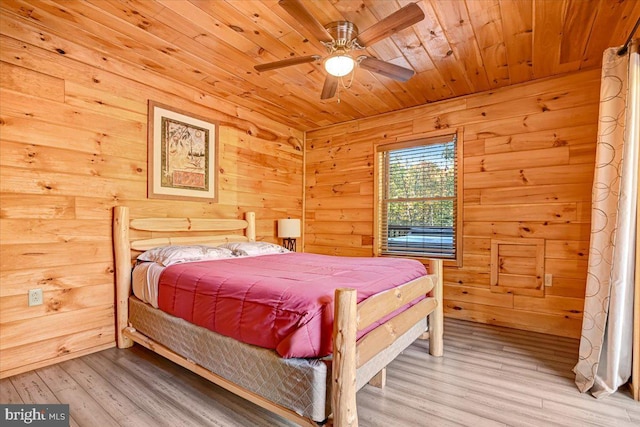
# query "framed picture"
(183, 155)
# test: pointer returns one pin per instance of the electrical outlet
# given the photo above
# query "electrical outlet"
(35, 297)
(548, 279)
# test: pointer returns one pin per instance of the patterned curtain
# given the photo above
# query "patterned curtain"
(607, 327)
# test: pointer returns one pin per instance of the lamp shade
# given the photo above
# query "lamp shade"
(288, 228)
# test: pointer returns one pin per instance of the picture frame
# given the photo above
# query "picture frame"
(182, 155)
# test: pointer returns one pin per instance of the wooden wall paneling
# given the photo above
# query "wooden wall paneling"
(135, 83)
(55, 160)
(27, 357)
(553, 324)
(27, 331)
(536, 175)
(45, 134)
(547, 89)
(468, 277)
(534, 194)
(527, 173)
(545, 230)
(568, 136)
(74, 145)
(56, 302)
(543, 120)
(36, 206)
(506, 161)
(552, 304)
(57, 278)
(478, 295)
(31, 82)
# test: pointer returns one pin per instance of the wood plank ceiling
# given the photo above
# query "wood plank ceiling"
(461, 47)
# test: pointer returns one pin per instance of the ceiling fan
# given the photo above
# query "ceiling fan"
(342, 40)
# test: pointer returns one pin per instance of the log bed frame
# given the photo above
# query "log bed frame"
(350, 317)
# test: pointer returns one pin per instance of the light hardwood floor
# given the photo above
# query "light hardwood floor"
(489, 376)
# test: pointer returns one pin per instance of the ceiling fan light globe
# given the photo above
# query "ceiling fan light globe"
(339, 65)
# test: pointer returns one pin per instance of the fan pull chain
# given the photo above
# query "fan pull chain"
(346, 86)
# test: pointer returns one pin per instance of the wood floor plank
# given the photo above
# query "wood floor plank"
(85, 410)
(507, 411)
(495, 392)
(489, 376)
(179, 392)
(584, 413)
(110, 398)
(441, 404)
(8, 393)
(224, 401)
(138, 391)
(32, 389)
(532, 382)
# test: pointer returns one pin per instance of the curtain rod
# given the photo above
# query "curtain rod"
(625, 46)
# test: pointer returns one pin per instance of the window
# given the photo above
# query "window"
(418, 203)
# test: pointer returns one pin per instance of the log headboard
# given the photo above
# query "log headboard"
(157, 232)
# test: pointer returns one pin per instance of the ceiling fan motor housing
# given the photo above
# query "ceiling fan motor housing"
(344, 35)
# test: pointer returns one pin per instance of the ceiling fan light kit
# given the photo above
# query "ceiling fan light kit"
(339, 65)
(341, 38)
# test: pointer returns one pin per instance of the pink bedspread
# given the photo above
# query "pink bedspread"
(283, 302)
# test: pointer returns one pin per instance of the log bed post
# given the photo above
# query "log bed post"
(436, 318)
(122, 250)
(343, 391)
(250, 217)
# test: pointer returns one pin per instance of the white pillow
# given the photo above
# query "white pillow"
(254, 248)
(169, 255)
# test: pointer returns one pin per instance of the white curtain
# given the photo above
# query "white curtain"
(607, 327)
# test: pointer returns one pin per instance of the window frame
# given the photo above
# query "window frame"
(413, 141)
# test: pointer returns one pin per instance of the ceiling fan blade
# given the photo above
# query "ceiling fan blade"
(329, 88)
(397, 21)
(286, 62)
(296, 9)
(387, 69)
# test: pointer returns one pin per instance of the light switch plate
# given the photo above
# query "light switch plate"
(548, 279)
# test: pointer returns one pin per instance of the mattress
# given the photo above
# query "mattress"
(283, 301)
(300, 384)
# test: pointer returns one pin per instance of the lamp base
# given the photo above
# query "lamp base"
(289, 243)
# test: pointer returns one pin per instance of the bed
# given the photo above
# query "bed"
(307, 390)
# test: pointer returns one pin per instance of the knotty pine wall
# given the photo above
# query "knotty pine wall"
(529, 153)
(73, 143)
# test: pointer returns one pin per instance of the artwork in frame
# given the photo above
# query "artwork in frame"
(183, 155)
